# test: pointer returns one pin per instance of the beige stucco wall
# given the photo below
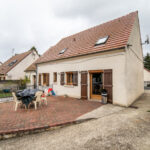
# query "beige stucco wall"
(114, 61)
(127, 66)
(18, 71)
(134, 66)
(146, 75)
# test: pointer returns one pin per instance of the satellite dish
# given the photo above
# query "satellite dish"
(147, 39)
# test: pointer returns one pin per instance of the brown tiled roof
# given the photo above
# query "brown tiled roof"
(32, 67)
(83, 42)
(4, 68)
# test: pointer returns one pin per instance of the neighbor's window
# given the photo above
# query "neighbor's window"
(12, 63)
(72, 78)
(55, 76)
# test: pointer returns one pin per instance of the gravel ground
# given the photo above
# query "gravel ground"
(126, 129)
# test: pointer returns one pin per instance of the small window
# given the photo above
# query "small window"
(12, 63)
(69, 78)
(72, 78)
(55, 76)
(62, 51)
(102, 41)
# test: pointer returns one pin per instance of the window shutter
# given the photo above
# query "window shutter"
(47, 79)
(108, 83)
(75, 78)
(84, 85)
(40, 79)
(62, 78)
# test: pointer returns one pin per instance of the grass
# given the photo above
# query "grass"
(148, 111)
(4, 95)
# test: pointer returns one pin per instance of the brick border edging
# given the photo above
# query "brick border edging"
(21, 132)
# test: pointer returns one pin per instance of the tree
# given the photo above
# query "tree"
(33, 48)
(147, 61)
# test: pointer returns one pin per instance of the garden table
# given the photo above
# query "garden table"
(26, 96)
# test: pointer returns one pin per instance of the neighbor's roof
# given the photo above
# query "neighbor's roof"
(32, 67)
(83, 42)
(6, 67)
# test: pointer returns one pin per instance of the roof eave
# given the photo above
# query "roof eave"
(123, 47)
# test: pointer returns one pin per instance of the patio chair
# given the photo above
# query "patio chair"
(16, 101)
(44, 96)
(38, 98)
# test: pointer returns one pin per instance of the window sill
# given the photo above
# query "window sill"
(70, 86)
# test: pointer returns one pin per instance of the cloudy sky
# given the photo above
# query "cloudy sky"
(42, 23)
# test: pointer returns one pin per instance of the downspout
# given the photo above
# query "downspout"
(36, 76)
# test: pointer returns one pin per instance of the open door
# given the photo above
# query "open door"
(96, 85)
(84, 85)
(108, 84)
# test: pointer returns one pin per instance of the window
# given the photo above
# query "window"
(62, 51)
(72, 78)
(102, 41)
(12, 63)
(46, 79)
(55, 76)
(69, 78)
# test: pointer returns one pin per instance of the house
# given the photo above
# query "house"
(1, 63)
(13, 68)
(31, 74)
(106, 56)
(146, 77)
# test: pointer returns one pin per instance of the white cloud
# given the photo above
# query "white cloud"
(42, 23)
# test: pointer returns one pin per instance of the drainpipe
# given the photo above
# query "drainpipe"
(36, 76)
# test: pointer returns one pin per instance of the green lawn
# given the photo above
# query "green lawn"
(4, 95)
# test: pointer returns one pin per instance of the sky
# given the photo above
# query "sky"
(42, 23)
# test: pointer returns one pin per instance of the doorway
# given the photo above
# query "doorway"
(96, 85)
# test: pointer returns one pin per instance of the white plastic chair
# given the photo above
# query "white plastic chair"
(38, 98)
(16, 101)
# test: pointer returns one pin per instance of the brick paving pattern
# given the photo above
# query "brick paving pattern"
(59, 111)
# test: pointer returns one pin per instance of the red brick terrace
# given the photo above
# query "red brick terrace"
(59, 111)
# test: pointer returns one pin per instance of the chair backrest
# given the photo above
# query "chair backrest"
(38, 95)
(14, 96)
(46, 92)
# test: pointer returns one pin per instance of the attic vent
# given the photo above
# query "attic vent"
(62, 51)
(12, 63)
(102, 41)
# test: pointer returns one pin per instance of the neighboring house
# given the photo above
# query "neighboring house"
(1, 63)
(31, 74)
(107, 56)
(13, 68)
(146, 77)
